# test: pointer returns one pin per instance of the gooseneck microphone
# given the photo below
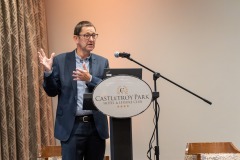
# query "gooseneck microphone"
(122, 54)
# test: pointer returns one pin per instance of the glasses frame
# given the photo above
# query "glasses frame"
(87, 36)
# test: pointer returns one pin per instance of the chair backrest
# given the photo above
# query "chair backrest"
(210, 147)
(54, 151)
(50, 151)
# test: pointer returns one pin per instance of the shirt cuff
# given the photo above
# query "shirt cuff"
(90, 78)
(47, 73)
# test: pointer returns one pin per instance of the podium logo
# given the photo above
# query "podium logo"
(122, 90)
(122, 96)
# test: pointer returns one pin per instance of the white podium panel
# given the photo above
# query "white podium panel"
(122, 96)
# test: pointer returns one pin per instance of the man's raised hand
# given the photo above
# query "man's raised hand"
(45, 61)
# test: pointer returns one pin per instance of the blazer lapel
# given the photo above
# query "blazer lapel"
(70, 67)
(93, 65)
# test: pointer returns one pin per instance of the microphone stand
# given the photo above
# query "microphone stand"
(157, 75)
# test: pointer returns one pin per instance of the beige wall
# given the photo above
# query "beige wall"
(193, 43)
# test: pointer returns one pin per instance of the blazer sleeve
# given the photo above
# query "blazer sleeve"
(51, 82)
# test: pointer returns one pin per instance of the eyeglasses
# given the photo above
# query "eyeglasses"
(87, 36)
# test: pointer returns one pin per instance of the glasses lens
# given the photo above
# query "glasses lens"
(87, 36)
(94, 36)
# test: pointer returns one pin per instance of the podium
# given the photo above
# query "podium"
(115, 96)
(121, 128)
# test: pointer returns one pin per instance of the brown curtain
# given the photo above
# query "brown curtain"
(26, 118)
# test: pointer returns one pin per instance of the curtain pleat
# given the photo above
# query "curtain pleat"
(26, 118)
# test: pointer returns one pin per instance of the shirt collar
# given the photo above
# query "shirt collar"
(80, 59)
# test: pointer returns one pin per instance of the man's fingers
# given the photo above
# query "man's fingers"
(52, 55)
(41, 55)
(85, 67)
(41, 52)
(81, 71)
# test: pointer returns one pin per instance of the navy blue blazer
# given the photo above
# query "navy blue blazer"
(60, 83)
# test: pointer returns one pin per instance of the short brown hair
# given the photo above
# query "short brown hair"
(82, 24)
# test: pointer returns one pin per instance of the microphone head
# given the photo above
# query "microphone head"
(116, 54)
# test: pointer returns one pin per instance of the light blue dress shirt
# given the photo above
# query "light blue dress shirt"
(81, 87)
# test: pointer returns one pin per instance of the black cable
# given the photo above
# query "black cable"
(155, 119)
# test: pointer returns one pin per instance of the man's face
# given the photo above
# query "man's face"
(86, 39)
